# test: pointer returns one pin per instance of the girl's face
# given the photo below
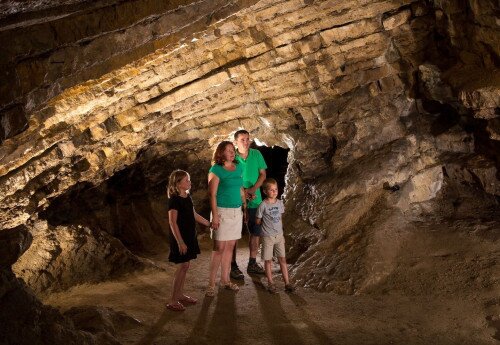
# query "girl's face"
(229, 153)
(185, 184)
(272, 191)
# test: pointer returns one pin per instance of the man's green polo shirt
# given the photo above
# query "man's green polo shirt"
(251, 167)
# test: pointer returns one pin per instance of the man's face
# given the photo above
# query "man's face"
(242, 142)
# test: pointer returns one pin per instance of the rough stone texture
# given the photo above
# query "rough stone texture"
(389, 109)
(64, 256)
(24, 320)
(49, 46)
(101, 321)
(14, 243)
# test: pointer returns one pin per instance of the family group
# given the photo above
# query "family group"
(234, 181)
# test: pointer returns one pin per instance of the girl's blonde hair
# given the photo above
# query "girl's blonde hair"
(175, 177)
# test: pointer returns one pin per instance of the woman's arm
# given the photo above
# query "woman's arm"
(213, 185)
(172, 220)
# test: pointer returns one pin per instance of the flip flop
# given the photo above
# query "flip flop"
(188, 300)
(177, 306)
(231, 286)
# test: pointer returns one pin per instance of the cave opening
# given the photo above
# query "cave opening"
(276, 158)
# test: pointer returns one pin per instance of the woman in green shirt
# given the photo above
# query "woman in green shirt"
(227, 197)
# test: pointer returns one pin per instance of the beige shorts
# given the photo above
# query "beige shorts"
(231, 221)
(273, 246)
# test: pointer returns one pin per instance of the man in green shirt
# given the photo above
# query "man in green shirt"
(254, 173)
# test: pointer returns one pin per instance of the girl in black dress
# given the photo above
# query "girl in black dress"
(183, 242)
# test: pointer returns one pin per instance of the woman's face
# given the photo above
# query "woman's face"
(229, 153)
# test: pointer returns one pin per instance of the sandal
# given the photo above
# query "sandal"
(177, 306)
(272, 288)
(188, 300)
(210, 292)
(289, 288)
(231, 286)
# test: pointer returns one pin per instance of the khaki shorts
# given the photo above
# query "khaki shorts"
(273, 246)
(231, 221)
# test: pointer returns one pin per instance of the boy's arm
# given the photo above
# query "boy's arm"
(258, 215)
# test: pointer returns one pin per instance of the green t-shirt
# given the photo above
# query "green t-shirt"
(251, 167)
(230, 183)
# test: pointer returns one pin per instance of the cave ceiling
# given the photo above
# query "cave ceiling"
(100, 83)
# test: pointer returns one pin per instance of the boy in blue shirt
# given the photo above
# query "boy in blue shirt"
(273, 242)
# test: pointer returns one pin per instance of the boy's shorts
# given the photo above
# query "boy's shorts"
(253, 229)
(273, 246)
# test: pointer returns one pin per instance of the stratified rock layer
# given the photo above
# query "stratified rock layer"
(388, 107)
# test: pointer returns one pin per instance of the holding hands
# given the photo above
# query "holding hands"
(250, 193)
(215, 222)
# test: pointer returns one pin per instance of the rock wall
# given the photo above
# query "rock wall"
(366, 95)
(51, 46)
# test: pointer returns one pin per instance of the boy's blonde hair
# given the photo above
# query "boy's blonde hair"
(267, 182)
(175, 177)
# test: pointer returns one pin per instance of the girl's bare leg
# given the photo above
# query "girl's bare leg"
(186, 268)
(284, 269)
(179, 278)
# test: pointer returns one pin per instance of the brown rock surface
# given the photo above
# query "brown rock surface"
(389, 109)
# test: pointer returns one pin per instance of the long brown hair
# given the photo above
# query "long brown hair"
(218, 157)
(175, 177)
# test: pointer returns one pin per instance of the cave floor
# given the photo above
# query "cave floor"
(253, 316)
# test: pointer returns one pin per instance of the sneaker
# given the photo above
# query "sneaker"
(289, 288)
(255, 268)
(236, 273)
(272, 288)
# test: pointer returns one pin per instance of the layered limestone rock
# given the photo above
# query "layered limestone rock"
(49, 46)
(252, 70)
(388, 109)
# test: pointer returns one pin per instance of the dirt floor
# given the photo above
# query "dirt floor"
(253, 316)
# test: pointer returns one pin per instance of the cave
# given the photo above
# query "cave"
(378, 118)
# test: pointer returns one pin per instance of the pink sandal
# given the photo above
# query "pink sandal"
(188, 300)
(177, 306)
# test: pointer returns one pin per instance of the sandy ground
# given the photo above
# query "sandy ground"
(253, 316)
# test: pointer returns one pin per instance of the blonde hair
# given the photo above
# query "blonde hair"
(267, 182)
(175, 177)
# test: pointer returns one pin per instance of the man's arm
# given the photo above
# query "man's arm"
(258, 183)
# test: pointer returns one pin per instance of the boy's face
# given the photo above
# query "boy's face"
(242, 142)
(272, 191)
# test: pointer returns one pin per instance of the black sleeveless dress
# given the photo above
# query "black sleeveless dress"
(187, 228)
